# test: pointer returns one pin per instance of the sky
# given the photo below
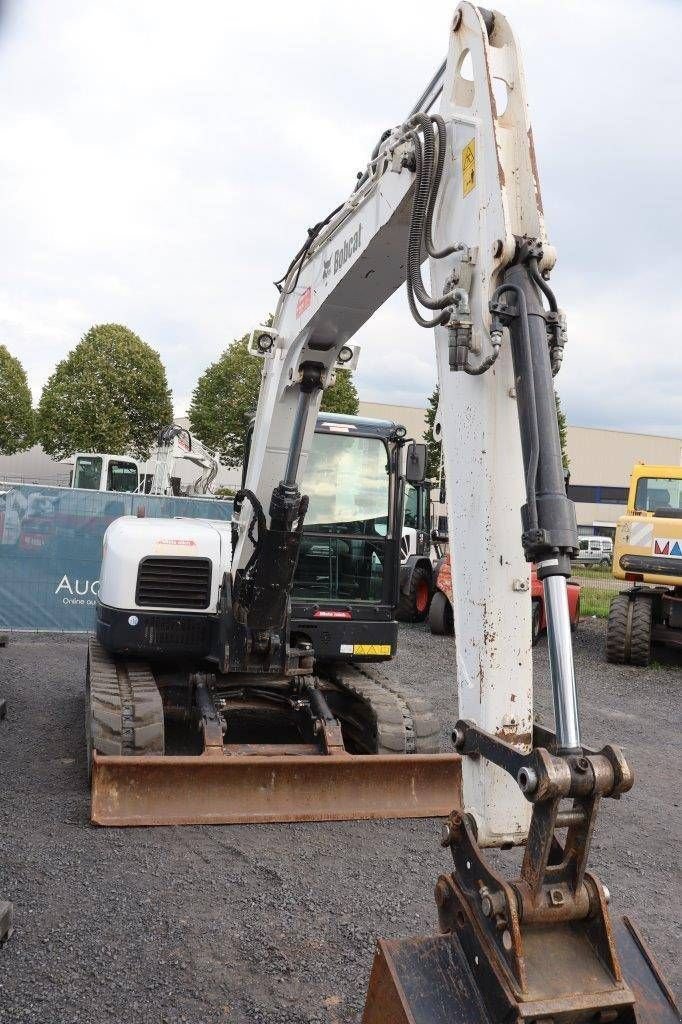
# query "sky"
(161, 161)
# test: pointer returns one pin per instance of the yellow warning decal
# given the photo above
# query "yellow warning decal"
(469, 167)
(371, 648)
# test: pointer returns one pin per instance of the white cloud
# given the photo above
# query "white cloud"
(160, 163)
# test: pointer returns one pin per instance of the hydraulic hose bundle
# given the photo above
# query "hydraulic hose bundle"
(428, 137)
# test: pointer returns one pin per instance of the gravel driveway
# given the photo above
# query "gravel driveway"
(274, 923)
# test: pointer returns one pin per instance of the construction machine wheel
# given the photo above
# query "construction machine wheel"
(414, 603)
(640, 636)
(441, 622)
(628, 632)
(123, 707)
(377, 715)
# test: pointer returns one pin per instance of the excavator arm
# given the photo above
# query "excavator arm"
(461, 188)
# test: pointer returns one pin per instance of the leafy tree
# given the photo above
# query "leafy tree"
(563, 431)
(433, 447)
(342, 396)
(16, 407)
(110, 394)
(226, 396)
(224, 400)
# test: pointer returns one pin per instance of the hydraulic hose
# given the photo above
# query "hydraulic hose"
(413, 278)
(542, 284)
(437, 254)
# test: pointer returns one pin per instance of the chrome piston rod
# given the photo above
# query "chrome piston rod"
(561, 664)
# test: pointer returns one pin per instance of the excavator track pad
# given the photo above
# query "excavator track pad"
(133, 782)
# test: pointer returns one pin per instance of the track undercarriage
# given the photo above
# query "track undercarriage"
(184, 747)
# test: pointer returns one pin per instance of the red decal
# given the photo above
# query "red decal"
(304, 302)
(661, 549)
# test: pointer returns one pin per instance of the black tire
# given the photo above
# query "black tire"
(413, 605)
(628, 633)
(618, 630)
(535, 618)
(605, 563)
(640, 637)
(441, 619)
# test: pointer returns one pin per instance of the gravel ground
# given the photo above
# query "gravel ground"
(273, 923)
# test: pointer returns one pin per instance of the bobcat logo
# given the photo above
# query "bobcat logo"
(341, 255)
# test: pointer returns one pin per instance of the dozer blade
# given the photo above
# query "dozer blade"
(221, 790)
(429, 981)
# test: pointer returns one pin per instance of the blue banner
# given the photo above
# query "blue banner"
(51, 549)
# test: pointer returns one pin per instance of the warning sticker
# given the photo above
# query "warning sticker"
(304, 302)
(371, 648)
(379, 649)
(641, 535)
(469, 167)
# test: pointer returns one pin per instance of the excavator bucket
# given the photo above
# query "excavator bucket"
(271, 785)
(430, 981)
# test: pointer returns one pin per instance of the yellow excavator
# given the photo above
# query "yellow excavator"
(648, 553)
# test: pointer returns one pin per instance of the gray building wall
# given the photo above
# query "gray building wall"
(34, 467)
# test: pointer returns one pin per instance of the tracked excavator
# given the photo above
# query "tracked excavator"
(459, 187)
(157, 688)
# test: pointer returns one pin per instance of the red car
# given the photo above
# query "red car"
(440, 612)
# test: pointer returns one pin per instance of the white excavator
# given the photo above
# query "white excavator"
(159, 475)
(459, 188)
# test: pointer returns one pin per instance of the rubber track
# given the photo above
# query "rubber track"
(125, 707)
(406, 724)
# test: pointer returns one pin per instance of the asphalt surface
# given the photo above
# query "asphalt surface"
(274, 923)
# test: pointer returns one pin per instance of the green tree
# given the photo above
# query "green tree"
(342, 396)
(226, 395)
(16, 407)
(224, 400)
(563, 431)
(433, 447)
(110, 394)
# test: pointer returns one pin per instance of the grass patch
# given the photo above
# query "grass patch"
(595, 601)
(593, 572)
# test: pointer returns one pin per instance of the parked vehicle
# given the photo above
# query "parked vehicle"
(648, 555)
(441, 621)
(417, 579)
(595, 551)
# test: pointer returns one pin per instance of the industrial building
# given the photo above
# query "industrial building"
(600, 464)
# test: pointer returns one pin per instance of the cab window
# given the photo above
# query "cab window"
(658, 495)
(417, 501)
(122, 476)
(87, 472)
(411, 506)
